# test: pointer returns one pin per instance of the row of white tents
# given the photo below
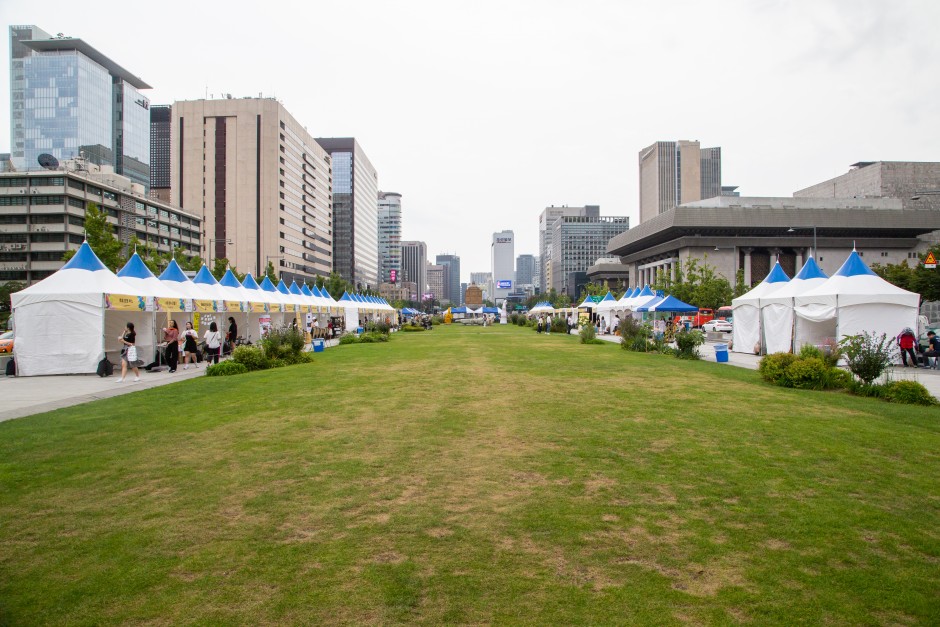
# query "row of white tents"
(780, 314)
(66, 323)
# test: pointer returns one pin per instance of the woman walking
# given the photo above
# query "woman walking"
(213, 343)
(129, 352)
(171, 335)
(232, 334)
(189, 347)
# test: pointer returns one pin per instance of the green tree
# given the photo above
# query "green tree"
(100, 236)
(220, 267)
(5, 290)
(696, 282)
(270, 273)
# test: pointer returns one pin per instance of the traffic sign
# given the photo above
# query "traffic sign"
(931, 261)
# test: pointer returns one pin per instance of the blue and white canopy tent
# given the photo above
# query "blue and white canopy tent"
(67, 322)
(852, 301)
(159, 295)
(746, 334)
(777, 309)
(203, 300)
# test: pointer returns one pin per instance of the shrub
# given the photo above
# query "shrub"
(307, 358)
(872, 390)
(225, 369)
(521, 320)
(637, 344)
(279, 343)
(409, 329)
(908, 392)
(559, 325)
(687, 343)
(437, 320)
(773, 368)
(867, 355)
(276, 363)
(837, 379)
(829, 352)
(630, 328)
(252, 357)
(379, 327)
(351, 338)
(807, 373)
(587, 333)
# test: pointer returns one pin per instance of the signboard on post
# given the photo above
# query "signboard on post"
(930, 262)
(504, 285)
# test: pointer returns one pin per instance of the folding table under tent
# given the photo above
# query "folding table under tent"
(777, 318)
(746, 331)
(68, 321)
(852, 301)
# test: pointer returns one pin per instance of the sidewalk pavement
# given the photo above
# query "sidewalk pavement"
(929, 378)
(25, 396)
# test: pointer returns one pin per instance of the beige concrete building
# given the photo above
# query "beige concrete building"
(673, 173)
(546, 220)
(260, 181)
(436, 281)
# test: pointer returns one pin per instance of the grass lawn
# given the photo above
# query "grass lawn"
(473, 475)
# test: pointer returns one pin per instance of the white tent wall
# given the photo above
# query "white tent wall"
(146, 324)
(352, 318)
(745, 336)
(69, 330)
(777, 327)
(876, 318)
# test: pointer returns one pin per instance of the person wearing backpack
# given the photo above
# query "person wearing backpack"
(213, 343)
(906, 341)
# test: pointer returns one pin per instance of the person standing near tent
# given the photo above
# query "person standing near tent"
(171, 335)
(933, 350)
(189, 346)
(231, 335)
(906, 341)
(129, 352)
(213, 343)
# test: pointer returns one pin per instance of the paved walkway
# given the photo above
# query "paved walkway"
(25, 396)
(930, 379)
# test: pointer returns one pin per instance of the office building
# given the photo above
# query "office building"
(463, 291)
(451, 264)
(355, 212)
(677, 172)
(161, 127)
(414, 266)
(260, 181)
(436, 289)
(577, 243)
(546, 220)
(502, 262)
(68, 101)
(389, 237)
(44, 216)
(915, 183)
(526, 269)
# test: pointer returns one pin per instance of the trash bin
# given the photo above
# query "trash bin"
(721, 353)
(318, 346)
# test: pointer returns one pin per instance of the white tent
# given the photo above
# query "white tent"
(853, 300)
(60, 322)
(746, 336)
(777, 308)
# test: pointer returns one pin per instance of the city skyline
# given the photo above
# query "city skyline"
(772, 112)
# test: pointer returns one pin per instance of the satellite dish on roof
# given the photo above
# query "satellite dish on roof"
(48, 161)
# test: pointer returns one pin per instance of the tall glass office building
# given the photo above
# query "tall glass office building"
(68, 100)
(389, 209)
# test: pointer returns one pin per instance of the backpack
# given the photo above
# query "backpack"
(11, 368)
(105, 368)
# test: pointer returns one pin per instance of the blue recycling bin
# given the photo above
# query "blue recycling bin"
(721, 353)
(318, 346)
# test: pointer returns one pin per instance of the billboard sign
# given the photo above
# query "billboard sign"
(504, 285)
(393, 275)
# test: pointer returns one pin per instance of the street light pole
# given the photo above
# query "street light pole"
(792, 229)
(211, 242)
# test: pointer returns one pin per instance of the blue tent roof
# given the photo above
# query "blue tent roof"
(266, 285)
(85, 259)
(346, 297)
(854, 266)
(454, 310)
(282, 287)
(490, 310)
(306, 290)
(608, 297)
(294, 289)
(229, 280)
(135, 268)
(204, 276)
(173, 273)
(646, 291)
(673, 304)
(777, 275)
(811, 270)
(649, 303)
(250, 283)
(326, 294)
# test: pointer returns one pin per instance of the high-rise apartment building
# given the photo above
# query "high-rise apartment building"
(414, 266)
(389, 238)
(451, 264)
(502, 262)
(673, 173)
(526, 269)
(161, 127)
(260, 181)
(436, 278)
(578, 242)
(355, 212)
(68, 100)
(546, 220)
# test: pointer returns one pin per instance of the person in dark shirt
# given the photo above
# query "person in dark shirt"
(933, 350)
(231, 334)
(129, 352)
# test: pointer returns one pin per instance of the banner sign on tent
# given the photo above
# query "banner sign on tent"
(204, 306)
(170, 304)
(288, 308)
(233, 306)
(258, 307)
(124, 302)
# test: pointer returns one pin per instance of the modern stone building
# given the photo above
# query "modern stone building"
(414, 266)
(578, 242)
(355, 212)
(546, 220)
(68, 101)
(677, 172)
(502, 262)
(436, 278)
(43, 216)
(750, 233)
(451, 265)
(161, 132)
(526, 269)
(261, 183)
(915, 183)
(389, 236)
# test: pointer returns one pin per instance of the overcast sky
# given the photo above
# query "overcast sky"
(483, 113)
